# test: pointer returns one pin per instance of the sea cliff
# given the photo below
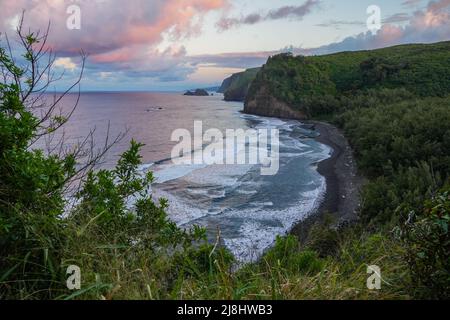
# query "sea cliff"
(301, 87)
(263, 103)
(235, 87)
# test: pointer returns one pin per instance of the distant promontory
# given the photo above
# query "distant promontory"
(235, 88)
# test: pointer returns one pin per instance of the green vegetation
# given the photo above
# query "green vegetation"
(135, 252)
(403, 147)
(303, 82)
(40, 236)
(235, 88)
(393, 105)
(425, 236)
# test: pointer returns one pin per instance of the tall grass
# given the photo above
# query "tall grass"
(287, 271)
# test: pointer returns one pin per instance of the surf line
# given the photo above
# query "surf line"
(235, 147)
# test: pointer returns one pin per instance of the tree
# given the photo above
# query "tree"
(114, 215)
(426, 237)
(32, 182)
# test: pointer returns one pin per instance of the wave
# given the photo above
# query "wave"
(251, 210)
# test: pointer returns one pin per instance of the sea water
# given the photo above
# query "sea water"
(249, 209)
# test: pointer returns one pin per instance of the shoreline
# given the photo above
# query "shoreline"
(343, 183)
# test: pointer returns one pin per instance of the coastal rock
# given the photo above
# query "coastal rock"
(197, 93)
(262, 103)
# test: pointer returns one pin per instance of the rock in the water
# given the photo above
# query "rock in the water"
(197, 93)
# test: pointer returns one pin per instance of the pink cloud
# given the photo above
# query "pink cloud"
(120, 37)
(110, 25)
(123, 38)
(425, 26)
(119, 56)
(389, 34)
(436, 6)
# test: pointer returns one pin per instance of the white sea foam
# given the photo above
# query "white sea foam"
(146, 167)
(262, 224)
(259, 221)
(256, 235)
(248, 247)
(171, 172)
(181, 211)
(262, 204)
(247, 192)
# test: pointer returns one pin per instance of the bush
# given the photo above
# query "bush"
(31, 198)
(427, 239)
(324, 238)
(406, 188)
(387, 136)
(115, 231)
(286, 254)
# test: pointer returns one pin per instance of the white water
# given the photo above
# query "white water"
(249, 209)
(249, 221)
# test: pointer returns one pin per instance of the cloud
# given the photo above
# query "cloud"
(340, 23)
(438, 5)
(398, 17)
(293, 12)
(425, 26)
(125, 42)
(115, 25)
(395, 18)
(411, 3)
(65, 63)
(120, 39)
(233, 60)
(169, 65)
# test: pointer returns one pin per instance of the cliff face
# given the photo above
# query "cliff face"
(263, 103)
(225, 84)
(235, 88)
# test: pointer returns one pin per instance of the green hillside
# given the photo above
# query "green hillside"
(423, 70)
(393, 105)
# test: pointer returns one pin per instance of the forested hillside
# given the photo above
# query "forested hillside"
(393, 105)
(312, 84)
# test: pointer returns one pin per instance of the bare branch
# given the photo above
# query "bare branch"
(33, 81)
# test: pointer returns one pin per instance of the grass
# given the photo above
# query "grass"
(138, 253)
(288, 271)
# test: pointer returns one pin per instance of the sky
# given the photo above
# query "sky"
(172, 45)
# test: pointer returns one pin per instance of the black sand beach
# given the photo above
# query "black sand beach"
(342, 197)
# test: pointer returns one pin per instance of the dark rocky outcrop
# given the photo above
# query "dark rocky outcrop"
(225, 84)
(197, 93)
(263, 103)
(235, 88)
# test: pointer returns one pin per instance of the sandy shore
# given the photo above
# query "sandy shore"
(342, 197)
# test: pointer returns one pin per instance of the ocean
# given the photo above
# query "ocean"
(249, 209)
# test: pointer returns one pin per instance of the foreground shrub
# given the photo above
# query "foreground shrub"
(427, 239)
(31, 196)
(287, 255)
(324, 237)
(116, 233)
